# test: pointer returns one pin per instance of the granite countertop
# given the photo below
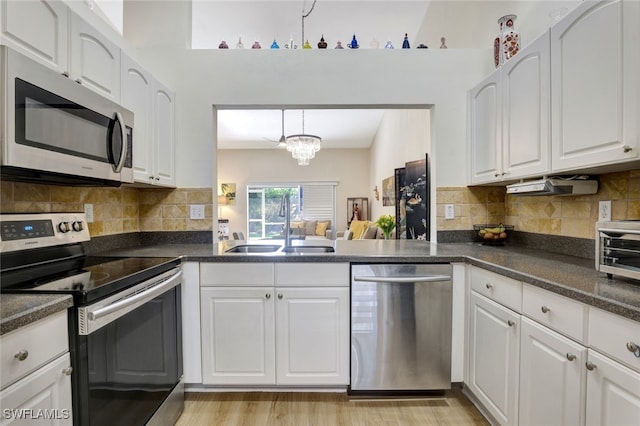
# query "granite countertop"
(18, 310)
(569, 276)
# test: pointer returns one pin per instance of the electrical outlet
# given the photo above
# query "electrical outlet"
(604, 210)
(449, 211)
(196, 211)
(88, 212)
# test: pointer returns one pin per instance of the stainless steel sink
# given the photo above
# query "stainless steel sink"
(308, 249)
(253, 248)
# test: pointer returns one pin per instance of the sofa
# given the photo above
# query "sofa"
(361, 230)
(312, 229)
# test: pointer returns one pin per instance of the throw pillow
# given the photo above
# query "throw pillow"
(321, 228)
(347, 235)
(310, 227)
(358, 227)
(370, 233)
(297, 227)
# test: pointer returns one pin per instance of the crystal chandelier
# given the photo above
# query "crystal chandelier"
(303, 147)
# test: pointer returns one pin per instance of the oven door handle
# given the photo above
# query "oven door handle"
(139, 298)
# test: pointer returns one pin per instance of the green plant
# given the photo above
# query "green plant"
(387, 224)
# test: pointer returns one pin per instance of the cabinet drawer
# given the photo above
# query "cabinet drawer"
(236, 274)
(611, 334)
(38, 342)
(506, 291)
(312, 274)
(557, 312)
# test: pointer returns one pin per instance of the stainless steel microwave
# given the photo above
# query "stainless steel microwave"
(618, 248)
(54, 130)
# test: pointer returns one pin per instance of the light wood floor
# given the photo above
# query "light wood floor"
(317, 409)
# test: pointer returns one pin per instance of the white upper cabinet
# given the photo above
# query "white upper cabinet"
(164, 136)
(154, 133)
(47, 31)
(37, 29)
(95, 61)
(509, 118)
(137, 96)
(595, 69)
(485, 130)
(525, 111)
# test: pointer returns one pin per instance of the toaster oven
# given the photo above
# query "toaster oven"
(618, 248)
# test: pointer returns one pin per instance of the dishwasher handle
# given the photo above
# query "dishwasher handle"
(403, 279)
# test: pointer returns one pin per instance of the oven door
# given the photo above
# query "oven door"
(128, 358)
(58, 126)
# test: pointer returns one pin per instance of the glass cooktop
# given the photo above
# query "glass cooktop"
(89, 278)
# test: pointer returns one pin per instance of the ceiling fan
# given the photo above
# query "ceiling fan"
(282, 142)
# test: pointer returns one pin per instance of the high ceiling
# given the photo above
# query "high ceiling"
(464, 23)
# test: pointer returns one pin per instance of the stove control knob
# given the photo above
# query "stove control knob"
(77, 226)
(64, 227)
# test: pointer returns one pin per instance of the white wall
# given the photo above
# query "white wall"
(403, 135)
(348, 167)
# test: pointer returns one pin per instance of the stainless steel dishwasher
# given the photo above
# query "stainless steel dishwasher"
(400, 327)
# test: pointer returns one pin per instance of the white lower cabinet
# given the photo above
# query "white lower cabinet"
(35, 370)
(613, 392)
(552, 377)
(494, 346)
(43, 397)
(238, 335)
(521, 371)
(312, 335)
(273, 335)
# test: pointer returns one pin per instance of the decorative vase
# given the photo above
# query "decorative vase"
(509, 39)
(387, 234)
(322, 44)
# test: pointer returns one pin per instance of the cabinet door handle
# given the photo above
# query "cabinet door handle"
(627, 148)
(67, 371)
(78, 81)
(267, 296)
(280, 296)
(545, 309)
(511, 323)
(590, 366)
(66, 74)
(632, 347)
(496, 174)
(570, 356)
(22, 355)
(489, 286)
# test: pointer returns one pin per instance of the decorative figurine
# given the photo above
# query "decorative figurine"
(405, 42)
(306, 45)
(256, 45)
(422, 46)
(322, 44)
(338, 45)
(223, 45)
(274, 45)
(354, 43)
(291, 44)
(389, 45)
(442, 43)
(375, 44)
(239, 44)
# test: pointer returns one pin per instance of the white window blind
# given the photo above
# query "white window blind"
(319, 202)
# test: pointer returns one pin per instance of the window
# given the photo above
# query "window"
(315, 201)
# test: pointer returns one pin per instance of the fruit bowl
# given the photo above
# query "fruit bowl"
(492, 234)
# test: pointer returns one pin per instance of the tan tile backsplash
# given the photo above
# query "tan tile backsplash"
(566, 216)
(126, 209)
(115, 210)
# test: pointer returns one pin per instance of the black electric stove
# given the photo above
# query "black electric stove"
(125, 328)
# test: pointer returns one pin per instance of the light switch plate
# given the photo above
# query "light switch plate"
(196, 211)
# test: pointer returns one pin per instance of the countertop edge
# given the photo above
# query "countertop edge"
(31, 308)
